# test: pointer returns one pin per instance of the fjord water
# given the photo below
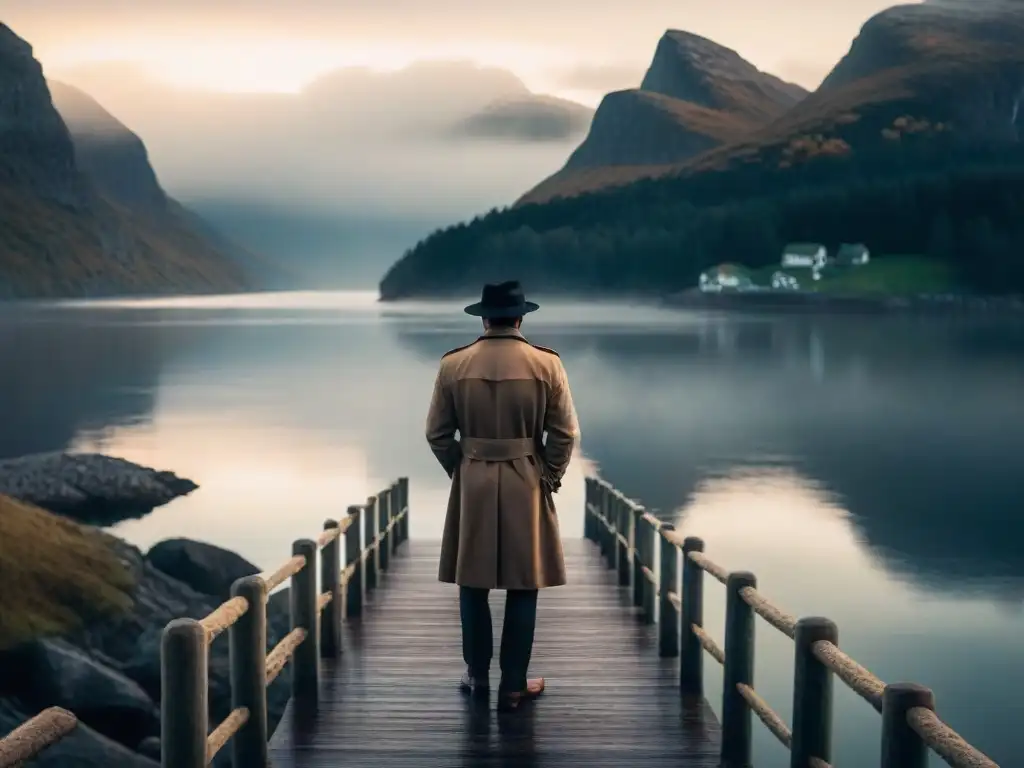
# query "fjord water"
(867, 469)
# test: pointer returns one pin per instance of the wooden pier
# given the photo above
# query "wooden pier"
(374, 657)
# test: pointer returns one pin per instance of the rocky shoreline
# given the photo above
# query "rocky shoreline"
(108, 672)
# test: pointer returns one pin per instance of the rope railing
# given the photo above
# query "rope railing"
(33, 736)
(629, 537)
(371, 534)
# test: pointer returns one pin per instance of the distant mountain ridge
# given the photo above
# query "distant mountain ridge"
(914, 144)
(696, 95)
(89, 220)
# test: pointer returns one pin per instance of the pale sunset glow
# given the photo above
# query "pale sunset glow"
(281, 65)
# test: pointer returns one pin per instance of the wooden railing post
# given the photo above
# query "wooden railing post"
(588, 500)
(330, 581)
(901, 746)
(812, 694)
(404, 525)
(306, 661)
(395, 510)
(370, 542)
(184, 694)
(248, 659)
(623, 511)
(612, 549)
(739, 669)
(636, 537)
(383, 534)
(354, 555)
(691, 652)
(646, 547)
(668, 581)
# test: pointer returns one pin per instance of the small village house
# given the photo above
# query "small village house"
(808, 255)
(852, 254)
(725, 277)
(783, 282)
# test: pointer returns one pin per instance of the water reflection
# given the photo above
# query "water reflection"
(824, 454)
(911, 431)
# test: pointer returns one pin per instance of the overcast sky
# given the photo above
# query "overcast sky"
(576, 48)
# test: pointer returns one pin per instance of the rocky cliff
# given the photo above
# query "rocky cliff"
(110, 154)
(97, 224)
(696, 95)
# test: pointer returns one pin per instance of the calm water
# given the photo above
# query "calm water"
(869, 470)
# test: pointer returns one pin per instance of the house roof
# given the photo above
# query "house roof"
(803, 249)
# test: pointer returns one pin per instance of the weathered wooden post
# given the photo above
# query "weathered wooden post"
(394, 519)
(384, 535)
(739, 670)
(691, 652)
(812, 694)
(184, 693)
(404, 525)
(588, 500)
(901, 746)
(623, 513)
(354, 558)
(668, 581)
(306, 661)
(370, 542)
(650, 528)
(330, 581)
(636, 537)
(612, 551)
(248, 659)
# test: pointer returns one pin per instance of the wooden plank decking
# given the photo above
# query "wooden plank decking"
(393, 700)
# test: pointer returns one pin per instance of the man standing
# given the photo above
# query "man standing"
(501, 394)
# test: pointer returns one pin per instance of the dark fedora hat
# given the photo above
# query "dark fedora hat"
(502, 300)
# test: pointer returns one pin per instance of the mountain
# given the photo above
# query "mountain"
(116, 161)
(328, 182)
(696, 95)
(912, 145)
(63, 233)
(526, 117)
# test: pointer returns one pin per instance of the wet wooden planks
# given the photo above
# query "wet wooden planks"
(393, 700)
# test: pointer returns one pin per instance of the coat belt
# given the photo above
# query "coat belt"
(497, 449)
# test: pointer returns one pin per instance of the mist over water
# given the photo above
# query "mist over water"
(866, 469)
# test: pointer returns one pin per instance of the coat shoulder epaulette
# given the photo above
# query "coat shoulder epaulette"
(544, 349)
(458, 349)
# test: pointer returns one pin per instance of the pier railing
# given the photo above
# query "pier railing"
(645, 553)
(316, 615)
(371, 532)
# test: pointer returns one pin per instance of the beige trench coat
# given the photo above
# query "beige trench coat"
(501, 394)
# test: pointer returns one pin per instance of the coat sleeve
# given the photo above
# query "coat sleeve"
(563, 430)
(442, 425)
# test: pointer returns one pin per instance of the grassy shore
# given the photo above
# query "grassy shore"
(882, 276)
(54, 574)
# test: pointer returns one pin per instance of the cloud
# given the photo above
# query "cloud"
(354, 139)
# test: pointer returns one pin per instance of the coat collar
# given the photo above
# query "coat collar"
(503, 333)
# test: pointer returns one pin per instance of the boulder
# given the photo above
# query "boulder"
(60, 674)
(208, 569)
(90, 488)
(82, 748)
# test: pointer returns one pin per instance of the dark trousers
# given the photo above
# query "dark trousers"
(516, 636)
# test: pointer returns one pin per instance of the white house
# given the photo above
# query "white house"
(724, 277)
(810, 255)
(854, 254)
(783, 282)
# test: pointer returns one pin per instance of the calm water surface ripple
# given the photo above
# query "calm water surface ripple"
(866, 469)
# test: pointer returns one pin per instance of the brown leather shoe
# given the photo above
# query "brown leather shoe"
(509, 701)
